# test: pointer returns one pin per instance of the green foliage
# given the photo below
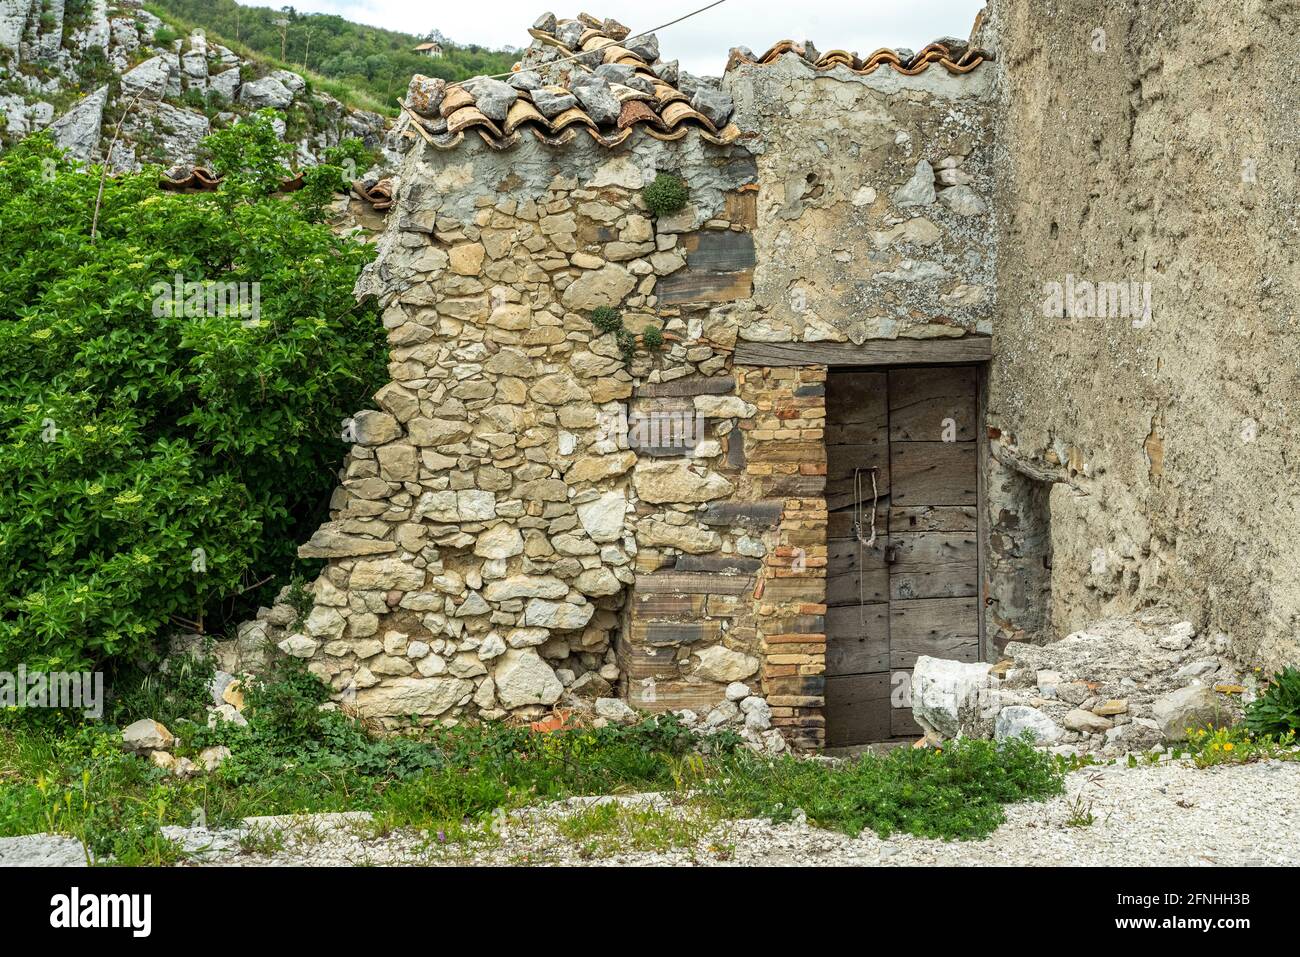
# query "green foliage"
(371, 66)
(1277, 710)
(177, 691)
(626, 340)
(954, 792)
(295, 758)
(162, 459)
(607, 319)
(1208, 747)
(652, 337)
(666, 195)
(339, 166)
(250, 155)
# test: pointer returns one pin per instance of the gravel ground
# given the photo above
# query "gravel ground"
(1169, 814)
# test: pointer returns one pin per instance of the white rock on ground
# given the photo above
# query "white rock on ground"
(953, 697)
(41, 850)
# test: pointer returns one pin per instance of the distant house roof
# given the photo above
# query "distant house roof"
(429, 46)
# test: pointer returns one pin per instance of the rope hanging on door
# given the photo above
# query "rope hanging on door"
(857, 507)
(863, 543)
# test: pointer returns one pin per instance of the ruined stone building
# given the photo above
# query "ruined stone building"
(959, 346)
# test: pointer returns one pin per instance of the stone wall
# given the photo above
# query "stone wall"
(532, 521)
(1155, 143)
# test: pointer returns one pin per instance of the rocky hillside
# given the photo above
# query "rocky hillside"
(78, 67)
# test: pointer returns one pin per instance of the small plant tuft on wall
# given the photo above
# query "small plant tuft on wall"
(666, 195)
(606, 319)
(652, 338)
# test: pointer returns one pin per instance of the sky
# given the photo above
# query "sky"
(700, 43)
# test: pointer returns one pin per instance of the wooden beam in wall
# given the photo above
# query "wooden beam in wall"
(875, 352)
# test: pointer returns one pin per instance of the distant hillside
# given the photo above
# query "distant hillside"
(375, 62)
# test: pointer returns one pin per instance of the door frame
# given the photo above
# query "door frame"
(879, 355)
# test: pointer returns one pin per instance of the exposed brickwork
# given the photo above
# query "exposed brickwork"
(786, 458)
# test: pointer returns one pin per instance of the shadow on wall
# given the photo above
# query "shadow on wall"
(1019, 589)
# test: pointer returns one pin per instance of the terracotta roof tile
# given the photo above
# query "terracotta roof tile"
(668, 113)
(953, 56)
(665, 113)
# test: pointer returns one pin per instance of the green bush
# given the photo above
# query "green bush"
(162, 458)
(653, 338)
(1277, 710)
(666, 195)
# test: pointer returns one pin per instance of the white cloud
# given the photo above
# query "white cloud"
(702, 42)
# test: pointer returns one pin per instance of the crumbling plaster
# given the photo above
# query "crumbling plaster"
(873, 208)
(1156, 143)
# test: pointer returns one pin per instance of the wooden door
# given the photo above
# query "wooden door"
(912, 587)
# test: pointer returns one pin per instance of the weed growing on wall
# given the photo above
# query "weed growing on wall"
(666, 195)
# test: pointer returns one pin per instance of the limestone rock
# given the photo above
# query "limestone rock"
(525, 586)
(492, 97)
(602, 518)
(597, 98)
(212, 758)
(558, 615)
(615, 709)
(499, 541)
(147, 735)
(919, 190)
(1192, 707)
(952, 698)
(386, 574)
(721, 664)
(689, 538)
(663, 482)
(1014, 720)
(1085, 722)
(375, 428)
(607, 286)
(425, 95)
(523, 678)
(298, 646)
(268, 91)
(78, 130)
(400, 697)
(149, 78)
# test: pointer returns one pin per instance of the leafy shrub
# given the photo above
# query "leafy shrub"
(250, 155)
(1277, 710)
(606, 319)
(653, 338)
(161, 459)
(666, 195)
(957, 791)
(339, 166)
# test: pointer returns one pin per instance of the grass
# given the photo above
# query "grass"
(454, 784)
(609, 828)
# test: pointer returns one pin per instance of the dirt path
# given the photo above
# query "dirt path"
(1169, 814)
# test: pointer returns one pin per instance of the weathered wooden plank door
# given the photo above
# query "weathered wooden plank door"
(912, 588)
